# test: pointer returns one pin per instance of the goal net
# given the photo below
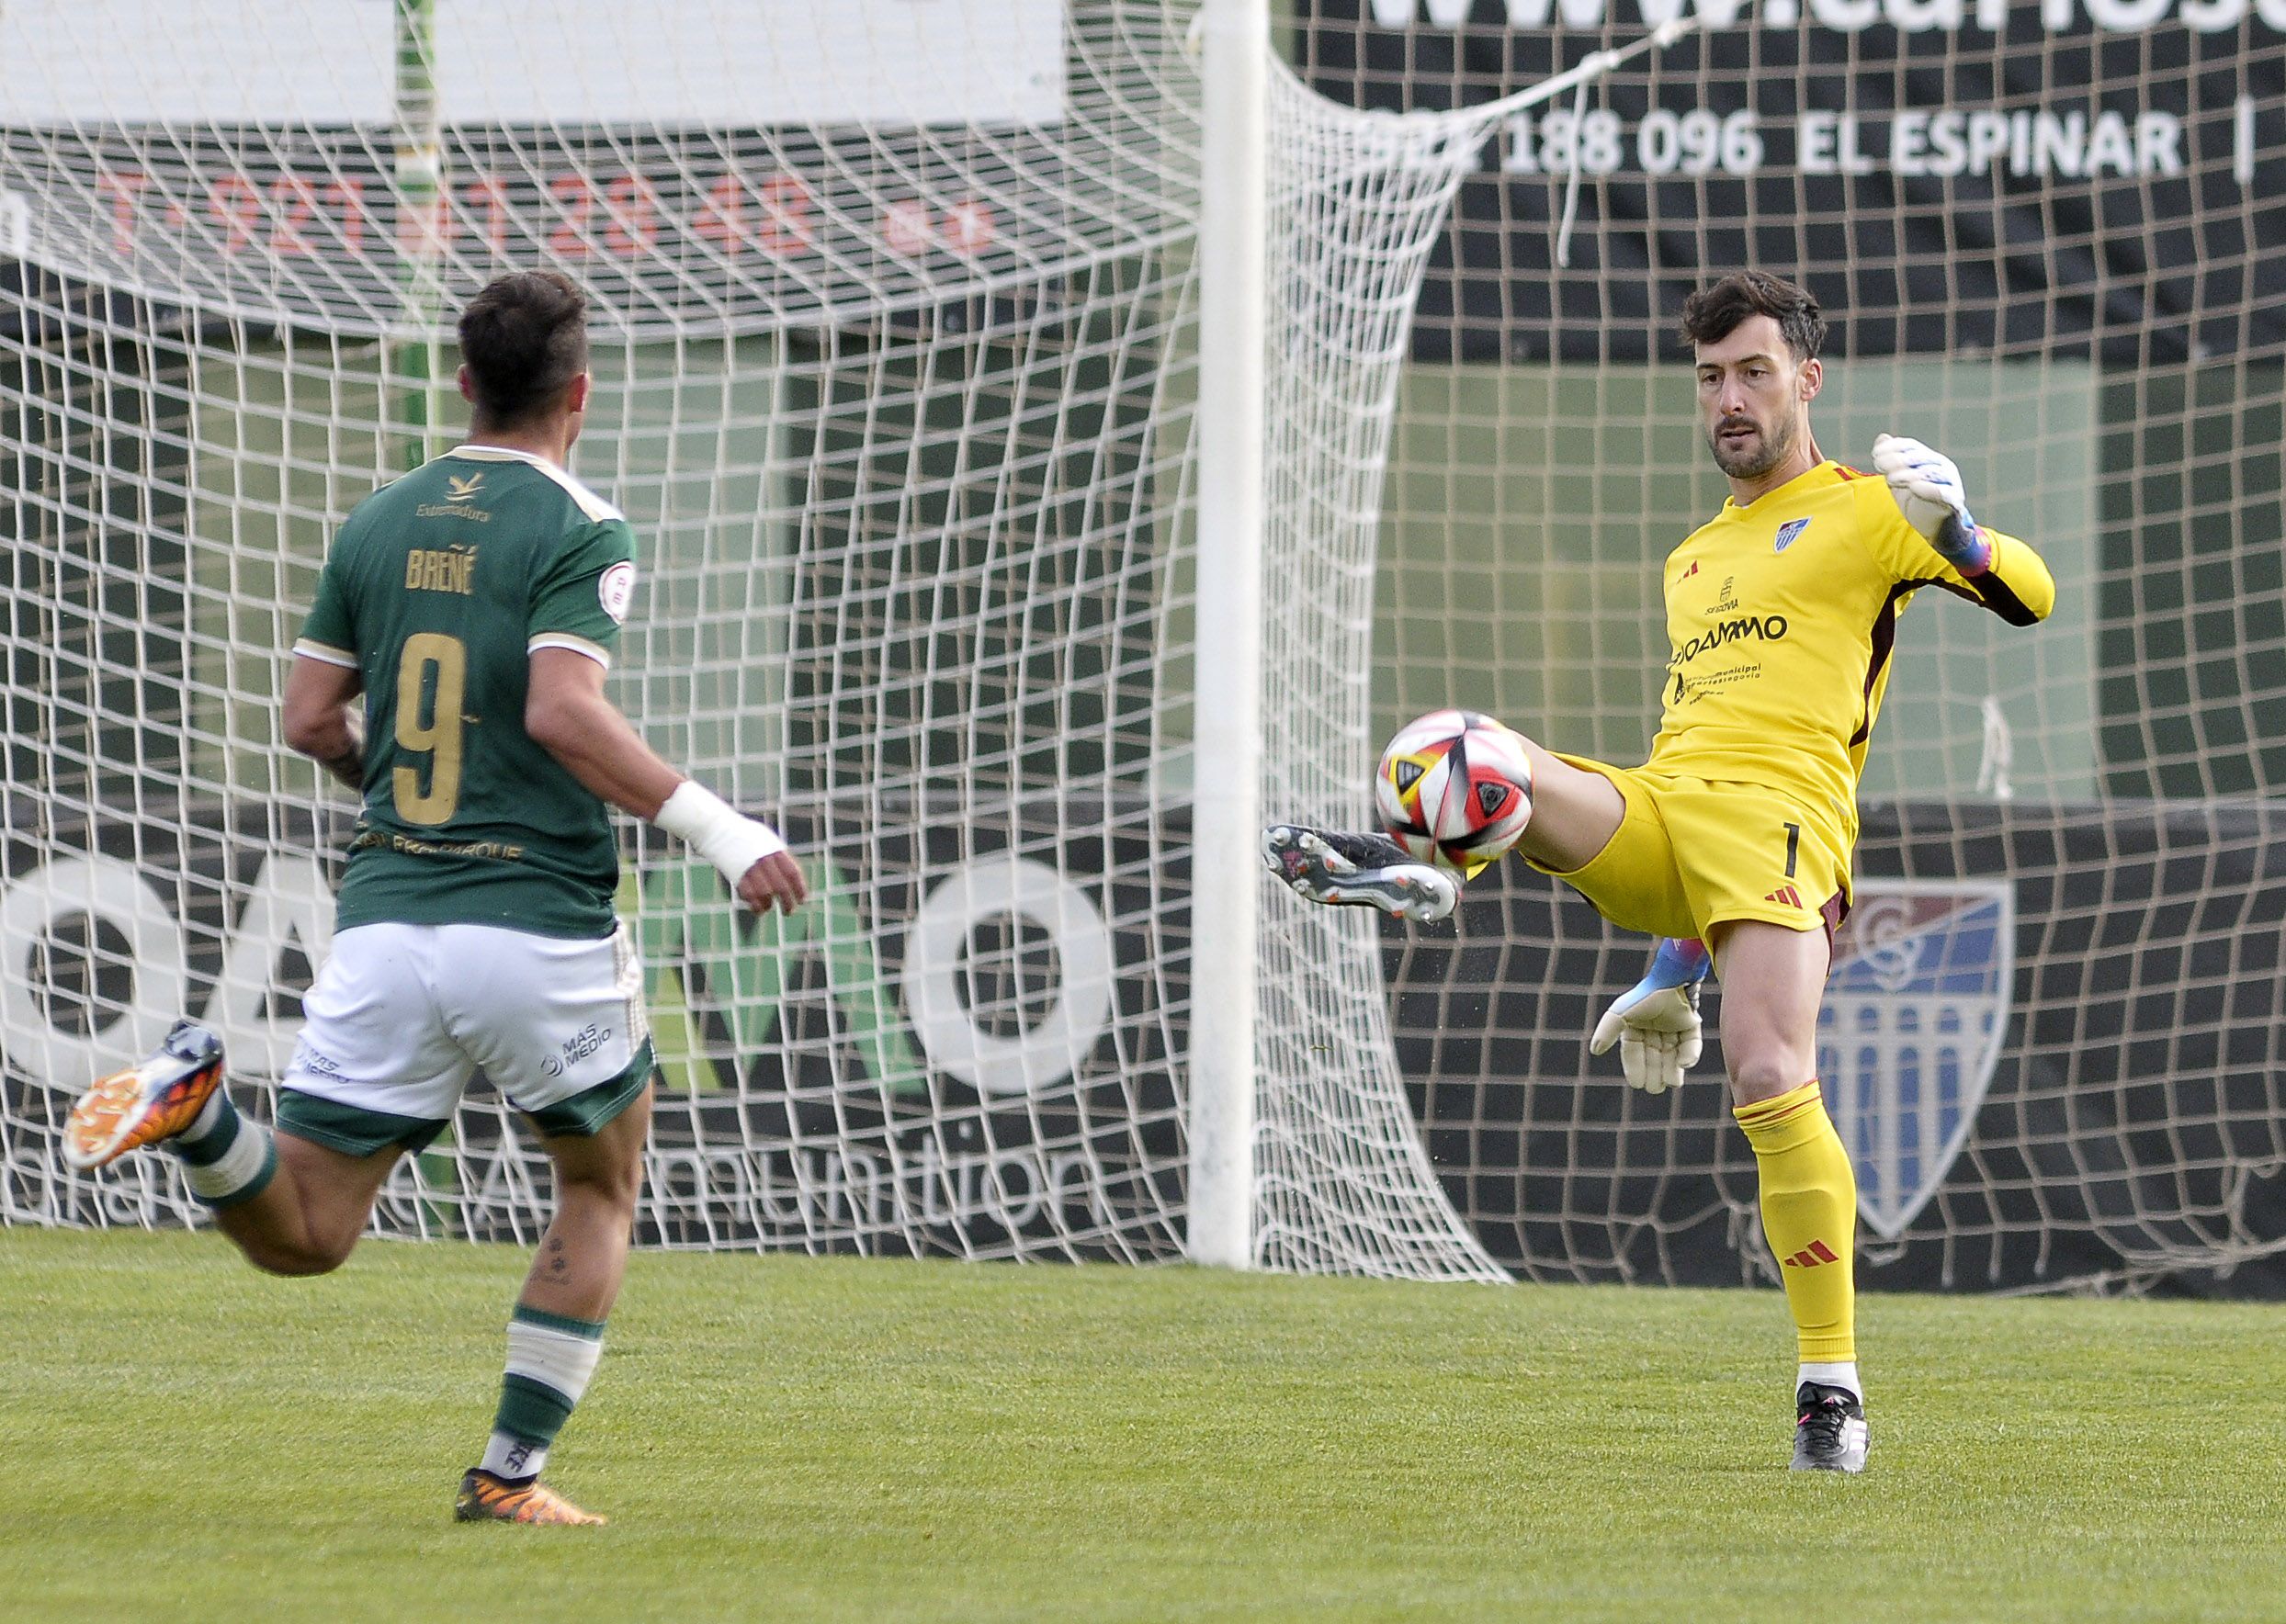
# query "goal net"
(894, 328)
(896, 334)
(2048, 239)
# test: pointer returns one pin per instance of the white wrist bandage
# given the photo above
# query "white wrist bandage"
(711, 826)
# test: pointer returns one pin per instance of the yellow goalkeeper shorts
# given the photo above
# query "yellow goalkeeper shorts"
(1690, 854)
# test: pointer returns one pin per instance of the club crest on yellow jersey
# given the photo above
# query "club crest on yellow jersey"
(1788, 534)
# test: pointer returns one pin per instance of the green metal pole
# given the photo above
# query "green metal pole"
(414, 360)
(409, 381)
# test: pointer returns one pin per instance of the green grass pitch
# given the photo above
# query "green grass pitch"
(789, 1437)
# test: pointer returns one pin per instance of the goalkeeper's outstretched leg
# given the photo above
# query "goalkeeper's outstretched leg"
(1575, 812)
(1373, 870)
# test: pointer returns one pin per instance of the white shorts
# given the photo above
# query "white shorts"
(401, 1016)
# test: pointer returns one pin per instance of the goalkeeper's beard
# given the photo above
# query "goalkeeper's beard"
(1771, 446)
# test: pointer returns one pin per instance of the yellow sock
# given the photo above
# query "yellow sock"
(1809, 1213)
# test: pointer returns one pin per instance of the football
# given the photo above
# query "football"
(1455, 789)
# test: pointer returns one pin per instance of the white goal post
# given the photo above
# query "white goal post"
(1315, 225)
(1227, 797)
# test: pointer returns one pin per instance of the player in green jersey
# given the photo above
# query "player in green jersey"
(452, 671)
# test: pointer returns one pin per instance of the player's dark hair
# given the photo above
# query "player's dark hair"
(525, 338)
(1713, 312)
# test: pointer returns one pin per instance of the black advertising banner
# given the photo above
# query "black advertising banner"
(2080, 177)
(2050, 1046)
(964, 1043)
(2066, 1074)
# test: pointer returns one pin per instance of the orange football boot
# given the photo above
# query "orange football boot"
(485, 1498)
(145, 1104)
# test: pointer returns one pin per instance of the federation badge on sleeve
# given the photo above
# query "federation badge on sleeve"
(1915, 1015)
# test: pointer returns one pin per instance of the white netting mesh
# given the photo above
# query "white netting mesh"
(1335, 1135)
(2050, 239)
(896, 387)
(898, 382)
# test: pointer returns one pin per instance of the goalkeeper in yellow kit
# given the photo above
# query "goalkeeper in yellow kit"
(1736, 834)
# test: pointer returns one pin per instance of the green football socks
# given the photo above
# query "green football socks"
(551, 1358)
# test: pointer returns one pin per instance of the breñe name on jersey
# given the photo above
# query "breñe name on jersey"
(436, 592)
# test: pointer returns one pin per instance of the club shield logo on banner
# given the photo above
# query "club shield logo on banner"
(1915, 1015)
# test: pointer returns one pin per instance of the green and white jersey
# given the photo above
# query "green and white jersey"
(437, 591)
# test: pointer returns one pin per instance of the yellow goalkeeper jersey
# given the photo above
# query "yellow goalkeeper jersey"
(1782, 615)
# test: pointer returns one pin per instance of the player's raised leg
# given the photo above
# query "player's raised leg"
(307, 1220)
(1574, 815)
(292, 1207)
(1335, 865)
(1772, 981)
(175, 1094)
(555, 1332)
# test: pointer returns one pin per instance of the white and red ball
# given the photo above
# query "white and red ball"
(1455, 789)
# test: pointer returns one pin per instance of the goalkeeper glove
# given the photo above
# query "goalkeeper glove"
(1927, 489)
(1655, 1021)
